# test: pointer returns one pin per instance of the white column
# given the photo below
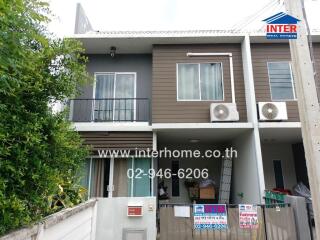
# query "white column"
(110, 186)
(154, 165)
(89, 181)
(252, 110)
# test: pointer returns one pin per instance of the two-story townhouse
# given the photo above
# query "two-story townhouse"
(158, 90)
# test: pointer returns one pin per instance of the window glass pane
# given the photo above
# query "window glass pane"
(211, 81)
(84, 174)
(277, 167)
(124, 89)
(175, 179)
(188, 82)
(139, 186)
(280, 81)
(103, 105)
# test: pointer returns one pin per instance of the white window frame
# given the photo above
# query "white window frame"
(199, 100)
(292, 83)
(114, 89)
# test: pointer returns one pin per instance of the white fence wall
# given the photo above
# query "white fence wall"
(97, 219)
(112, 218)
(70, 224)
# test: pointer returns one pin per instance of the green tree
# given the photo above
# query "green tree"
(40, 154)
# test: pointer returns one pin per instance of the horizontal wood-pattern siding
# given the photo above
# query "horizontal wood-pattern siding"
(166, 108)
(262, 54)
(117, 140)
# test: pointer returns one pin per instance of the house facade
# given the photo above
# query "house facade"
(189, 90)
(155, 93)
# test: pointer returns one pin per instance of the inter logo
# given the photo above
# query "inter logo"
(281, 26)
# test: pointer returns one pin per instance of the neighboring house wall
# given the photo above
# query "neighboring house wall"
(283, 152)
(118, 140)
(166, 108)
(139, 63)
(262, 54)
(316, 53)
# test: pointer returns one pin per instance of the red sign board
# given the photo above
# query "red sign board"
(134, 211)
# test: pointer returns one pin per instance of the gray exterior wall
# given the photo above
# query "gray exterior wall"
(139, 63)
(166, 108)
(283, 152)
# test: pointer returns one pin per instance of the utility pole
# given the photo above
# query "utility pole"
(308, 103)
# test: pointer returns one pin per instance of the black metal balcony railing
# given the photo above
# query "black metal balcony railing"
(110, 110)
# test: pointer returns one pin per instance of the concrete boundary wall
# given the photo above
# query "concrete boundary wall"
(113, 222)
(71, 223)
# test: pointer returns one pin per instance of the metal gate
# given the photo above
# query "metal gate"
(275, 222)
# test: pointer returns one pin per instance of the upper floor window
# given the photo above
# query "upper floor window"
(281, 81)
(200, 81)
(114, 96)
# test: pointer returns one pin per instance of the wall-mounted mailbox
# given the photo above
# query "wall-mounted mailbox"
(134, 210)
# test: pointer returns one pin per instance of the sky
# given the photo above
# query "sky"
(134, 15)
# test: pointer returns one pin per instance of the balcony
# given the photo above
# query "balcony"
(110, 110)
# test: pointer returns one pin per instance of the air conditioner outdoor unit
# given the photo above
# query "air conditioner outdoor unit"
(223, 112)
(272, 111)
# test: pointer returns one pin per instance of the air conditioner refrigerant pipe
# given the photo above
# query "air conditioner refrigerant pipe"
(190, 54)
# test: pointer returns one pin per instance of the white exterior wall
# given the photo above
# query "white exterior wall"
(283, 152)
(68, 224)
(112, 217)
(245, 176)
(253, 118)
(214, 168)
(76, 227)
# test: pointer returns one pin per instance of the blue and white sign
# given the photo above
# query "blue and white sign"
(210, 216)
(281, 26)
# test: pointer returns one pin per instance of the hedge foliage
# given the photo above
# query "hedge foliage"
(40, 155)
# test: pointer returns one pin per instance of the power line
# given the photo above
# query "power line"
(252, 17)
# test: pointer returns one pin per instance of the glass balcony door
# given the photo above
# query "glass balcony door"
(115, 97)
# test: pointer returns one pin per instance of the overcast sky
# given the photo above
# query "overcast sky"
(169, 14)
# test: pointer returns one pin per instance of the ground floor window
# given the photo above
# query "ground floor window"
(85, 174)
(100, 177)
(138, 183)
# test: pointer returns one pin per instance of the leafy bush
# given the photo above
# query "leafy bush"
(40, 155)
